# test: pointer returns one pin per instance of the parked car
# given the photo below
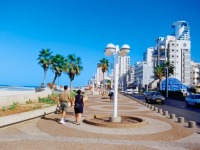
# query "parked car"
(155, 97)
(193, 99)
(147, 93)
(128, 92)
(135, 91)
(121, 91)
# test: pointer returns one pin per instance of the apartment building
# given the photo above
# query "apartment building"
(99, 76)
(195, 73)
(143, 74)
(124, 66)
(175, 48)
(147, 55)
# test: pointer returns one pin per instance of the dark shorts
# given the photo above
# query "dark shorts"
(63, 106)
(78, 110)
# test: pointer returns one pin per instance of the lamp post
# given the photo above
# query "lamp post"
(147, 76)
(167, 72)
(110, 50)
(92, 86)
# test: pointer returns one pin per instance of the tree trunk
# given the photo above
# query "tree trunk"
(103, 84)
(44, 77)
(70, 86)
(159, 85)
(54, 80)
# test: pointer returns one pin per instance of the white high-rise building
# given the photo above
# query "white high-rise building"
(124, 66)
(99, 76)
(143, 74)
(147, 56)
(176, 50)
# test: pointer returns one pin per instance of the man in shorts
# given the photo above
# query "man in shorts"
(64, 99)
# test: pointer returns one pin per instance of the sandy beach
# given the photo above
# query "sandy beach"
(7, 97)
(12, 93)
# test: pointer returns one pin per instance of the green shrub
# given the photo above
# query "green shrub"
(29, 102)
(4, 108)
(46, 100)
(73, 94)
(13, 106)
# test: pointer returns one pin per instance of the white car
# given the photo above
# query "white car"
(135, 91)
(129, 91)
(193, 99)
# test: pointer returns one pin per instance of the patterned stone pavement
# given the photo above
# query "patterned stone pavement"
(46, 133)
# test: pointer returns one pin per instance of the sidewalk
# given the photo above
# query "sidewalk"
(46, 133)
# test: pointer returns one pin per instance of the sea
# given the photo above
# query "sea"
(17, 88)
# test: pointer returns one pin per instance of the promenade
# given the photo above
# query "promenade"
(160, 133)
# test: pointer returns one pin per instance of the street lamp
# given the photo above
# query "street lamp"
(92, 86)
(166, 81)
(147, 76)
(110, 50)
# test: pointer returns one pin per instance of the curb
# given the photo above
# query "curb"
(191, 124)
(25, 116)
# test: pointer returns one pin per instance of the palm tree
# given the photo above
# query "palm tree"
(170, 68)
(104, 64)
(57, 65)
(159, 73)
(72, 67)
(44, 61)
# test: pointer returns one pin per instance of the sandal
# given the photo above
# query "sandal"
(77, 123)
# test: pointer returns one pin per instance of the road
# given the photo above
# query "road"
(179, 108)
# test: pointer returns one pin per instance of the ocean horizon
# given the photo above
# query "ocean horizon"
(17, 88)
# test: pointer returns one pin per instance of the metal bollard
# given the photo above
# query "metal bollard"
(172, 116)
(165, 113)
(149, 106)
(191, 124)
(156, 109)
(160, 111)
(152, 107)
(181, 119)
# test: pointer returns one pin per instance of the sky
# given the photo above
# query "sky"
(84, 28)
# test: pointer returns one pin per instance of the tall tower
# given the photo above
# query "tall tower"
(181, 30)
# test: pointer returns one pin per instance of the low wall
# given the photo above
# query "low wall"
(23, 97)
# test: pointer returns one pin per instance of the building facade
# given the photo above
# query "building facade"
(195, 70)
(175, 49)
(124, 66)
(143, 74)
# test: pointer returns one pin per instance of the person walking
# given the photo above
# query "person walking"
(64, 99)
(78, 107)
(111, 94)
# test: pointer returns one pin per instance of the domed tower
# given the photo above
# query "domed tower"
(181, 30)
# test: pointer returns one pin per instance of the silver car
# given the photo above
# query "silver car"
(155, 97)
